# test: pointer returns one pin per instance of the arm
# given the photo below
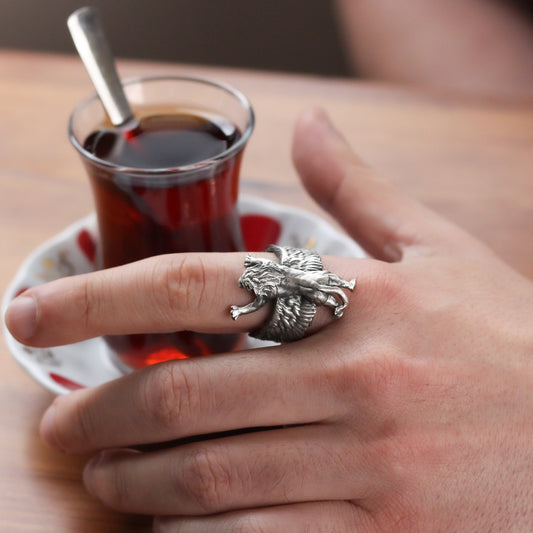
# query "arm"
(475, 47)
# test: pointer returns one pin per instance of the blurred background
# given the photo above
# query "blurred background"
(282, 35)
(468, 47)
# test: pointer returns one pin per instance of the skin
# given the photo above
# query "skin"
(411, 413)
(469, 47)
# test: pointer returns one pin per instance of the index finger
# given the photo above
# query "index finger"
(163, 294)
(160, 294)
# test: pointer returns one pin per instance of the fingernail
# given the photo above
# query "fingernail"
(88, 472)
(48, 428)
(21, 317)
(325, 120)
(322, 116)
(96, 472)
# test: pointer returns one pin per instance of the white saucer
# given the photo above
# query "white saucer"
(84, 364)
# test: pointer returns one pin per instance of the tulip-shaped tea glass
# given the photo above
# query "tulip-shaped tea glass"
(168, 186)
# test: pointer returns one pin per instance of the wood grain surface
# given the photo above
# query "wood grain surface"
(470, 160)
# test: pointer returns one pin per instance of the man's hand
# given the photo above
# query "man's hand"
(413, 412)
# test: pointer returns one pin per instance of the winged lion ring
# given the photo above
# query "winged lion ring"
(298, 284)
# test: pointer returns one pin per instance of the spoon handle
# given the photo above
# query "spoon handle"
(88, 34)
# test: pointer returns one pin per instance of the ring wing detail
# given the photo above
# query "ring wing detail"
(289, 320)
(298, 258)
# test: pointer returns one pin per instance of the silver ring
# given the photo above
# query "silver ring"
(297, 284)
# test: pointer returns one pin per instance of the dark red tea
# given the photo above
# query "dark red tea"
(144, 214)
(164, 141)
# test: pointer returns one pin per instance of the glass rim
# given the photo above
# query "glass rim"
(199, 165)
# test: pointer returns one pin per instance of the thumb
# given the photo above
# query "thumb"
(386, 222)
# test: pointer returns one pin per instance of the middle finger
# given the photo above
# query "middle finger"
(159, 294)
(199, 396)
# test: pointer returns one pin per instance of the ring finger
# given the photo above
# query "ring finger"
(168, 293)
(265, 468)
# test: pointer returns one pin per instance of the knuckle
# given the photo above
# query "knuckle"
(387, 286)
(378, 375)
(383, 371)
(206, 478)
(170, 395)
(183, 283)
(111, 487)
(87, 301)
(395, 459)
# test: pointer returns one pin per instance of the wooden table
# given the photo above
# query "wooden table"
(471, 160)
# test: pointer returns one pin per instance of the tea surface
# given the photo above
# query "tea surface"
(163, 141)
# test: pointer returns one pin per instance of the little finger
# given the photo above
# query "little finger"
(311, 517)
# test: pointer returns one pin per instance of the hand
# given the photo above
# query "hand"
(411, 413)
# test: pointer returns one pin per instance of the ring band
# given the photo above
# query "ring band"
(298, 284)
